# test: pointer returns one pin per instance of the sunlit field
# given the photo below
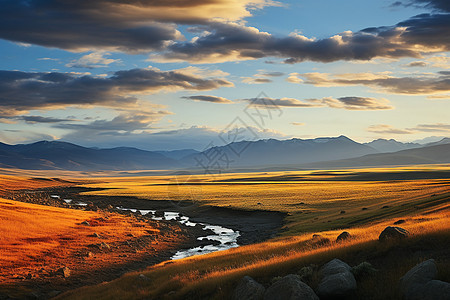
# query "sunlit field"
(314, 200)
(360, 201)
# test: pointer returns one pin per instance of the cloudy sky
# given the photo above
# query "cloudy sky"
(180, 74)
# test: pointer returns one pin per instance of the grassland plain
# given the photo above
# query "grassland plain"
(362, 201)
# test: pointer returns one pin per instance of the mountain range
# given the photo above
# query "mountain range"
(304, 153)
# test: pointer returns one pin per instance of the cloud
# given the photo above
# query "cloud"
(208, 98)
(258, 80)
(298, 123)
(271, 103)
(24, 91)
(439, 127)
(387, 129)
(124, 122)
(355, 103)
(92, 60)
(418, 85)
(417, 64)
(348, 103)
(114, 25)
(271, 74)
(40, 119)
(231, 41)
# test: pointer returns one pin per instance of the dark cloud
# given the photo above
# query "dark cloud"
(23, 91)
(208, 98)
(125, 122)
(130, 26)
(417, 64)
(253, 80)
(418, 85)
(40, 119)
(271, 103)
(425, 33)
(349, 103)
(272, 74)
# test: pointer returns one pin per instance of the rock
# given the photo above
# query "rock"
(334, 266)
(393, 233)
(290, 287)
(432, 290)
(399, 222)
(104, 245)
(343, 236)
(248, 289)
(96, 235)
(64, 272)
(342, 211)
(337, 280)
(364, 208)
(386, 206)
(86, 223)
(415, 278)
(142, 277)
(363, 269)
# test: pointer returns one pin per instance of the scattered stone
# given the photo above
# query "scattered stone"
(29, 276)
(386, 206)
(343, 236)
(64, 272)
(364, 208)
(142, 277)
(289, 287)
(418, 283)
(259, 203)
(248, 289)
(130, 234)
(337, 280)
(86, 223)
(363, 269)
(318, 240)
(393, 233)
(399, 222)
(96, 235)
(342, 212)
(420, 274)
(104, 245)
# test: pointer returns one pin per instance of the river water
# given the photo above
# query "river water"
(222, 239)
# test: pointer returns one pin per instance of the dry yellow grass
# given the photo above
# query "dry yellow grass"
(314, 200)
(214, 275)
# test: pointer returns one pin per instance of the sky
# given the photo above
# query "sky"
(176, 74)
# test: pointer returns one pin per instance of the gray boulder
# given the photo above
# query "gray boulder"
(334, 266)
(290, 287)
(337, 280)
(418, 283)
(420, 274)
(248, 289)
(433, 290)
(393, 233)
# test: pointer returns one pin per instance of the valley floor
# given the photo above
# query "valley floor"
(362, 202)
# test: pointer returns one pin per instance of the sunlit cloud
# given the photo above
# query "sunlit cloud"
(424, 84)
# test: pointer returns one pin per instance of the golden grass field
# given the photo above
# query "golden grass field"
(361, 201)
(313, 199)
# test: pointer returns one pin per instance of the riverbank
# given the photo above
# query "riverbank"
(115, 242)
